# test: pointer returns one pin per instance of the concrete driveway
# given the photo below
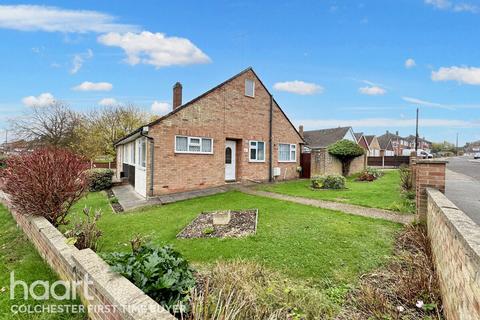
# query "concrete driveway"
(463, 185)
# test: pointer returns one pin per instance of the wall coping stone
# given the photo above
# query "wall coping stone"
(433, 161)
(465, 229)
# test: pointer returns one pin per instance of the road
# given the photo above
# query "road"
(463, 185)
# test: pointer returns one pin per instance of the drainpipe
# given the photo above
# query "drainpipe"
(150, 139)
(270, 142)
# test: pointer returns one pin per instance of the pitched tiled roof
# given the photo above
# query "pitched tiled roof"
(325, 137)
(369, 139)
(358, 135)
(384, 140)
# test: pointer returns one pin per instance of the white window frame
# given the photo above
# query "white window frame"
(253, 88)
(140, 148)
(256, 148)
(290, 146)
(188, 144)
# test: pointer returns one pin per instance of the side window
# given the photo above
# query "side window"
(249, 88)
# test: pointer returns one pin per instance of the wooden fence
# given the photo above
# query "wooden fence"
(388, 161)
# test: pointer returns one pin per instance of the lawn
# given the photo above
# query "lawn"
(384, 193)
(303, 242)
(18, 254)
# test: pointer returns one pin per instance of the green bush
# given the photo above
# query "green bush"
(328, 182)
(100, 179)
(406, 178)
(162, 273)
(3, 162)
(345, 151)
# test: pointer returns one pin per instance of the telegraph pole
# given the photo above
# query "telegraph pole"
(416, 135)
(456, 146)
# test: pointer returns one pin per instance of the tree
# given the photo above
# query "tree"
(52, 125)
(444, 146)
(345, 151)
(101, 128)
(45, 182)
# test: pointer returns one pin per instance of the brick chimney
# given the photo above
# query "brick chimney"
(177, 95)
(300, 130)
(396, 132)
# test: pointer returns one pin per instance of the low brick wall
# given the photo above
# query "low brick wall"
(455, 241)
(113, 296)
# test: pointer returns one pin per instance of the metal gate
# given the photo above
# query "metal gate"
(305, 163)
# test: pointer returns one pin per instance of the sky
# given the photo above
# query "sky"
(367, 64)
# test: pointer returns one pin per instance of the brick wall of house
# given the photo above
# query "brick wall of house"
(225, 113)
(455, 241)
(117, 297)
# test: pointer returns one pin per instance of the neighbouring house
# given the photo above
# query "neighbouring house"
(362, 142)
(15, 147)
(316, 150)
(386, 148)
(398, 143)
(422, 143)
(373, 145)
(472, 147)
(235, 132)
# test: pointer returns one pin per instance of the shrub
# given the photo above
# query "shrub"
(346, 151)
(100, 179)
(113, 200)
(160, 272)
(85, 233)
(45, 182)
(328, 182)
(406, 178)
(3, 162)
(244, 290)
(370, 174)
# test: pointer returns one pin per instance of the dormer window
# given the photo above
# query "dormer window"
(249, 88)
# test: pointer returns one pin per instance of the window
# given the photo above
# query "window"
(249, 88)
(257, 151)
(193, 145)
(142, 152)
(287, 152)
(228, 155)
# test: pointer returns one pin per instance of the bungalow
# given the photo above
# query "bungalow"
(235, 132)
(319, 139)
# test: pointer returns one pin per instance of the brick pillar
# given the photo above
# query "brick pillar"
(429, 174)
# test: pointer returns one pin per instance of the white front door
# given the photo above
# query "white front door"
(230, 147)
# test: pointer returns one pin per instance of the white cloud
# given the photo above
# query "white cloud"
(53, 19)
(107, 102)
(155, 48)
(468, 75)
(298, 87)
(385, 122)
(420, 102)
(372, 90)
(410, 63)
(78, 60)
(93, 86)
(439, 4)
(448, 5)
(43, 100)
(160, 107)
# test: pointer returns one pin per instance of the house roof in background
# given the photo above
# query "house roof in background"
(325, 137)
(385, 140)
(369, 139)
(358, 135)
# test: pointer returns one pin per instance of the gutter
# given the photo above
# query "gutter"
(152, 149)
(270, 142)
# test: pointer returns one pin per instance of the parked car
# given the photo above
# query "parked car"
(476, 155)
(420, 153)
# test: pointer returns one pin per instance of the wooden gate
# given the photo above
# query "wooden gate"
(305, 163)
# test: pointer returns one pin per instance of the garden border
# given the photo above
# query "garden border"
(114, 296)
